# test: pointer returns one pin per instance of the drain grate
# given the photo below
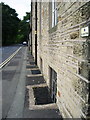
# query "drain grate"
(42, 96)
(35, 71)
(31, 66)
(32, 63)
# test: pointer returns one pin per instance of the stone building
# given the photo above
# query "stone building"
(60, 44)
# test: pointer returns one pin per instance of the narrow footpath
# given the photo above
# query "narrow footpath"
(38, 103)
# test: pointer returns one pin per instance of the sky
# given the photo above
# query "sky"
(21, 6)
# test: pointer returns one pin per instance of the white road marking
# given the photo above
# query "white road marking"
(8, 59)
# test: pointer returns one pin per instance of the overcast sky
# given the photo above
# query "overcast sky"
(21, 6)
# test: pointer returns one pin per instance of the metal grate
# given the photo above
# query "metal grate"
(31, 66)
(42, 96)
(35, 71)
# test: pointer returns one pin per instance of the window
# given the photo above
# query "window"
(54, 13)
(53, 84)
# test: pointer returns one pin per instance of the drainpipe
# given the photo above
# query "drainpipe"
(31, 27)
(36, 32)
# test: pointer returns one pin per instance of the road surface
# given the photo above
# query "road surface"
(13, 83)
(7, 51)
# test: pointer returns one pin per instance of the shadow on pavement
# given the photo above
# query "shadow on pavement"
(41, 105)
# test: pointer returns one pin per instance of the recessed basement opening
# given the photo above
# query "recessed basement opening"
(31, 66)
(42, 96)
(32, 63)
(35, 71)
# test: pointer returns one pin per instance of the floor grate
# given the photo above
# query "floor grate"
(42, 96)
(35, 71)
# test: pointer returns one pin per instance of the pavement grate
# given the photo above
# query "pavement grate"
(31, 66)
(42, 96)
(35, 72)
(32, 63)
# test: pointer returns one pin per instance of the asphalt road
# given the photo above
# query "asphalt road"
(7, 51)
(13, 85)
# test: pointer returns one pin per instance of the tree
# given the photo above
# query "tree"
(14, 30)
(24, 28)
(10, 23)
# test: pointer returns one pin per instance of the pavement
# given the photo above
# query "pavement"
(25, 92)
(38, 103)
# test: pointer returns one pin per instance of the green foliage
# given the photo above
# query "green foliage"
(24, 28)
(14, 30)
(10, 23)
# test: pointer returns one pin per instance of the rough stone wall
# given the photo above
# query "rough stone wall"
(71, 57)
(63, 49)
(43, 37)
(33, 29)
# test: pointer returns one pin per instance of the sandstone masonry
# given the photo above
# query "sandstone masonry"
(63, 55)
